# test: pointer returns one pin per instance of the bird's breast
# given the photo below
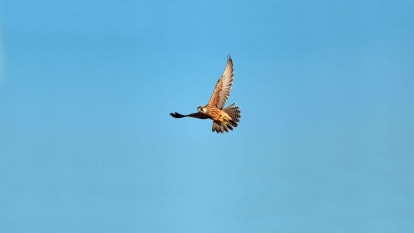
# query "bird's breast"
(218, 115)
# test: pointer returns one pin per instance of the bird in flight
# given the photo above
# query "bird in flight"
(223, 119)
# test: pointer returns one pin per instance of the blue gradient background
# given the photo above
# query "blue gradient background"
(325, 143)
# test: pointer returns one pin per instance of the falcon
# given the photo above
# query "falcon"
(223, 119)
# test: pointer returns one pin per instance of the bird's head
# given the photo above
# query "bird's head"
(202, 109)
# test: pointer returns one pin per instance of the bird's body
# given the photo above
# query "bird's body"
(218, 115)
(223, 119)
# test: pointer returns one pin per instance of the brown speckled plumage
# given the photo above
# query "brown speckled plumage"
(223, 119)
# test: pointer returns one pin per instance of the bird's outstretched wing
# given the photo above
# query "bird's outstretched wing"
(195, 115)
(223, 87)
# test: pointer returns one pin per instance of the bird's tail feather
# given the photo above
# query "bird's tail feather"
(234, 113)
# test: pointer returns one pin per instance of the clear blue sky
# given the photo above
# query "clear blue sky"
(325, 142)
